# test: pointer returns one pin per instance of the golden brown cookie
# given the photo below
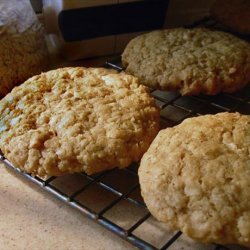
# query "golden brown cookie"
(77, 120)
(192, 61)
(234, 14)
(196, 178)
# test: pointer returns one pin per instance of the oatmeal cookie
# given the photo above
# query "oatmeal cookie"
(77, 120)
(191, 61)
(235, 14)
(196, 178)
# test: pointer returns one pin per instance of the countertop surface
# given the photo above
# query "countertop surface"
(30, 218)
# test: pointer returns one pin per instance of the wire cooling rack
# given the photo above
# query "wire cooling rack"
(113, 198)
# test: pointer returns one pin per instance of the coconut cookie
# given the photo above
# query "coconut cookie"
(196, 178)
(77, 120)
(235, 14)
(191, 61)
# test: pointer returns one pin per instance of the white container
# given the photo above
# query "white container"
(88, 28)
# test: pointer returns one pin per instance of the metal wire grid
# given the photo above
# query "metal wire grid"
(104, 195)
(59, 187)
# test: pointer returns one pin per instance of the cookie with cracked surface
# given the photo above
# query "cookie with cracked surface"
(235, 14)
(191, 61)
(196, 178)
(77, 120)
